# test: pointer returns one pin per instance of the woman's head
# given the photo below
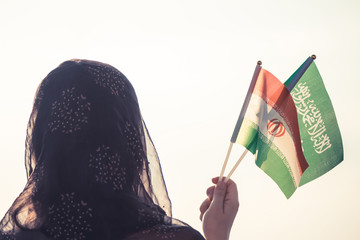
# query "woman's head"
(86, 140)
(86, 120)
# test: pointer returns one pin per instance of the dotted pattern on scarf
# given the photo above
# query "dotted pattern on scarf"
(70, 219)
(162, 232)
(70, 112)
(107, 168)
(150, 218)
(134, 142)
(108, 78)
(38, 175)
(6, 237)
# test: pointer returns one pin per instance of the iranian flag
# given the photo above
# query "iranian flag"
(319, 131)
(268, 127)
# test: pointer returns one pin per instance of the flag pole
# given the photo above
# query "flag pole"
(225, 162)
(298, 74)
(236, 164)
(241, 117)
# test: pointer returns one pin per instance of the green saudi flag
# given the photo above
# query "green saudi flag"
(319, 131)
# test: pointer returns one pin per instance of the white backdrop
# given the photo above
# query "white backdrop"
(191, 62)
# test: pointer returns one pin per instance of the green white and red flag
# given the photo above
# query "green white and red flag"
(268, 127)
(319, 131)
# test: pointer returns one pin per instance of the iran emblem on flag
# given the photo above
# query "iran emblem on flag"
(276, 128)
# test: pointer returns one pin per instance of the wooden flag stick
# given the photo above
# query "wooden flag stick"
(236, 165)
(225, 162)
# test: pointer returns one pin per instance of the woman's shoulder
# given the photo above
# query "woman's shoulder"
(175, 232)
(27, 235)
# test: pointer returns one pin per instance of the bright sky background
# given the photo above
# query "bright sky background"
(191, 63)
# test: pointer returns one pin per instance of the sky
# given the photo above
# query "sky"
(191, 62)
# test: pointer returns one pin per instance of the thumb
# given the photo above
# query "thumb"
(219, 194)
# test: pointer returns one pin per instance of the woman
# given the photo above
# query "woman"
(93, 171)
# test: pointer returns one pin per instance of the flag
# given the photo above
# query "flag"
(319, 131)
(268, 127)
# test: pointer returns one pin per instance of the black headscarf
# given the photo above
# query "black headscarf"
(93, 171)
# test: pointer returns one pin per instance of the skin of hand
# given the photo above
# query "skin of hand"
(218, 211)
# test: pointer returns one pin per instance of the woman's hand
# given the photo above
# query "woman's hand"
(218, 211)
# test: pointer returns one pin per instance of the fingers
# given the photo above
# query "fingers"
(232, 192)
(225, 192)
(204, 206)
(216, 179)
(210, 192)
(219, 195)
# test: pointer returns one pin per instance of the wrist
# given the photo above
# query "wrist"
(217, 236)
